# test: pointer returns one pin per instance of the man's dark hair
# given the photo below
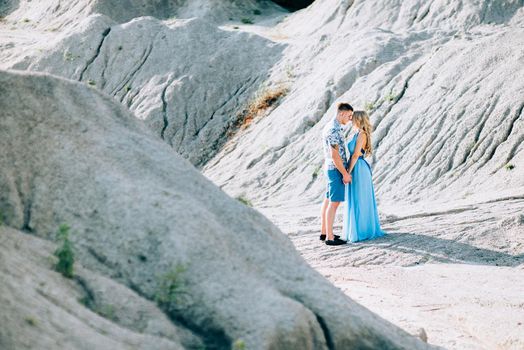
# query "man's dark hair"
(343, 106)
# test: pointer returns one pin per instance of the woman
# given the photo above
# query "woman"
(361, 220)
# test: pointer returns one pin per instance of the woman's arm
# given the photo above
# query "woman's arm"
(361, 143)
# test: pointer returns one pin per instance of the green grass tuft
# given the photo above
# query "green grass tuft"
(68, 56)
(30, 320)
(239, 344)
(316, 172)
(64, 253)
(106, 311)
(509, 166)
(85, 301)
(244, 200)
(171, 287)
(391, 96)
(369, 106)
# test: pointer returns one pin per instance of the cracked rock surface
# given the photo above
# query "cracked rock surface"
(443, 84)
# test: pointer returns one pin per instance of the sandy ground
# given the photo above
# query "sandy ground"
(458, 273)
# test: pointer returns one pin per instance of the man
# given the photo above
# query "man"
(336, 171)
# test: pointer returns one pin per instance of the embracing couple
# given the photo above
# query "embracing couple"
(349, 179)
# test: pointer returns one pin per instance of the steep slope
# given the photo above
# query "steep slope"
(138, 211)
(187, 79)
(443, 83)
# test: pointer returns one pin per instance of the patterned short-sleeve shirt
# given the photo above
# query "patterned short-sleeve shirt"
(333, 135)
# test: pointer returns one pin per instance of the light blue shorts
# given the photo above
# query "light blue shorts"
(335, 188)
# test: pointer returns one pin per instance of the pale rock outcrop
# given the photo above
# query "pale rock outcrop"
(138, 210)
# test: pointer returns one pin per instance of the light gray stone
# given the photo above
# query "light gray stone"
(137, 209)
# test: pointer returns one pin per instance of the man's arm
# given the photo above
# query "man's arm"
(337, 159)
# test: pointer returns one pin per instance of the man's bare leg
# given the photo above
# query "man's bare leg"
(323, 225)
(330, 219)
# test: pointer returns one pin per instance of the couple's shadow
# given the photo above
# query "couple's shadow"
(441, 250)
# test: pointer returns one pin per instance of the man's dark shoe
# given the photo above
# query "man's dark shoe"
(323, 237)
(336, 241)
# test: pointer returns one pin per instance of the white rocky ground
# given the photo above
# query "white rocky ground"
(443, 80)
(457, 273)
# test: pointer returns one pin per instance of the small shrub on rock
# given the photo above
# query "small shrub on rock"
(65, 254)
(244, 200)
(30, 320)
(171, 287)
(369, 106)
(317, 172)
(391, 96)
(106, 311)
(262, 102)
(68, 56)
(239, 344)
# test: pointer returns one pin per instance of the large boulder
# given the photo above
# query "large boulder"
(139, 213)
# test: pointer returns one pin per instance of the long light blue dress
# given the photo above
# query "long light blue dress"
(361, 221)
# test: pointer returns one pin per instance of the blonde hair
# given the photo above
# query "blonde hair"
(362, 119)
